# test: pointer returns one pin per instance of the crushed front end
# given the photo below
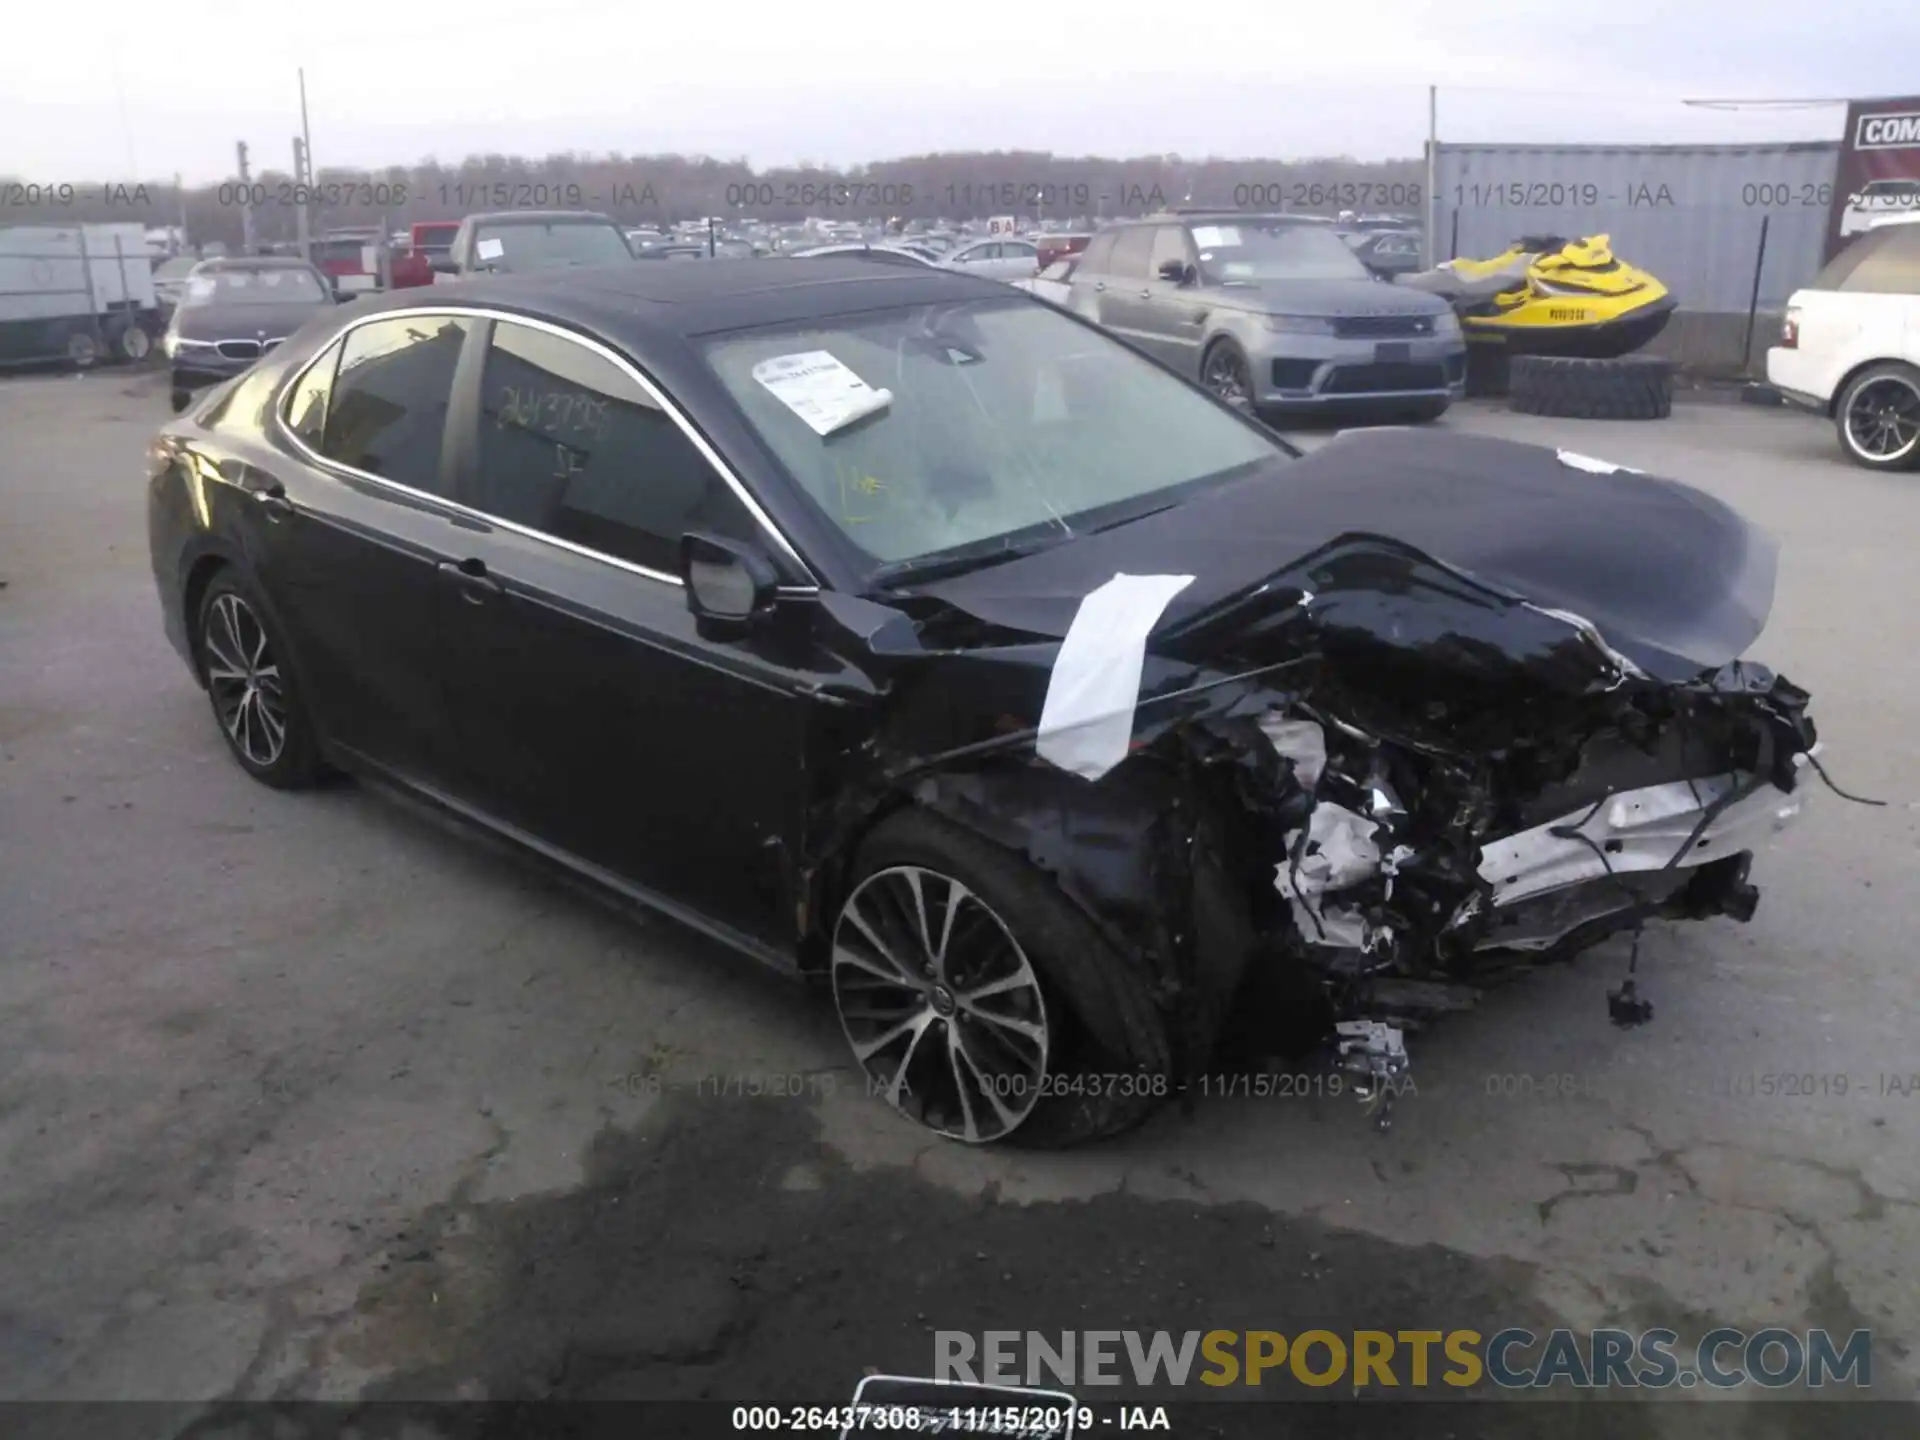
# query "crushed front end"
(1449, 784)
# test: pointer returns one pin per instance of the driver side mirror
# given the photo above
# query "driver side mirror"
(443, 265)
(1177, 271)
(729, 582)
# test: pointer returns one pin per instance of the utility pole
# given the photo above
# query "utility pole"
(1431, 239)
(180, 194)
(303, 192)
(306, 156)
(246, 202)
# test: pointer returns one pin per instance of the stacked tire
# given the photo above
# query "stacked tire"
(1630, 387)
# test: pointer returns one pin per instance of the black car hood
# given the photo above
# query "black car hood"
(245, 322)
(1670, 577)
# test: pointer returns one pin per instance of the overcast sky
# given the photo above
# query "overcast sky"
(171, 88)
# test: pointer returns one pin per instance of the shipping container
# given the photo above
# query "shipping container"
(1707, 219)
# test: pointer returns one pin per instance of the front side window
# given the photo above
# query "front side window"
(1003, 423)
(528, 245)
(1245, 250)
(572, 446)
(1169, 244)
(306, 410)
(387, 412)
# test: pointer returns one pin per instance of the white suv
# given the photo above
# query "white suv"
(1850, 347)
(1878, 198)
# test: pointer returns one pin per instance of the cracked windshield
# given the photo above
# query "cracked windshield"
(788, 724)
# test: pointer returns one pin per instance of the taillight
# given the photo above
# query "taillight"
(1790, 330)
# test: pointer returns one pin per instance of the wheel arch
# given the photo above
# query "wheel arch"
(1854, 372)
(1139, 854)
(199, 574)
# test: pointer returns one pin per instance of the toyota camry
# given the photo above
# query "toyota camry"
(913, 635)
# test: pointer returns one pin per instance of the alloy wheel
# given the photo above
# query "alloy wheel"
(940, 1004)
(1883, 418)
(244, 677)
(1226, 375)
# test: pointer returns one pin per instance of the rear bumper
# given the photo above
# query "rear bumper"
(1795, 374)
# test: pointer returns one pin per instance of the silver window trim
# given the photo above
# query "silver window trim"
(621, 363)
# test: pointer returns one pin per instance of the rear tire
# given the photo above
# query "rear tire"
(1102, 1061)
(1630, 387)
(83, 351)
(1878, 418)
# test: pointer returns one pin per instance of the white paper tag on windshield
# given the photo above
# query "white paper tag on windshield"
(490, 249)
(1593, 466)
(1086, 722)
(820, 390)
(1208, 236)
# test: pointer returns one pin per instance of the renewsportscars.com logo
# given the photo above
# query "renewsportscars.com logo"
(1724, 1358)
(1899, 131)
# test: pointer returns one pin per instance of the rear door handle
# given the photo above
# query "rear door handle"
(1099, 284)
(1146, 294)
(476, 586)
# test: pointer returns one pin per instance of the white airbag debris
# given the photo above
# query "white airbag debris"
(1593, 466)
(1340, 852)
(1086, 723)
(1301, 741)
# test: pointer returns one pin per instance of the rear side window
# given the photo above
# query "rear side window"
(1889, 267)
(387, 412)
(573, 447)
(1099, 250)
(1131, 252)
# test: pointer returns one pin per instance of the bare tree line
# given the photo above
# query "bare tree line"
(662, 189)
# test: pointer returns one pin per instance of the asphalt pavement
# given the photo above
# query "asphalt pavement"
(310, 1096)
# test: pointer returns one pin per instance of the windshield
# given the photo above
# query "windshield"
(1247, 251)
(1001, 421)
(285, 286)
(509, 246)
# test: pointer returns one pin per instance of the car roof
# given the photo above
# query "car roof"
(252, 262)
(634, 304)
(539, 217)
(1224, 217)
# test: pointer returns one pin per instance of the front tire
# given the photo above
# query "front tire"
(1224, 370)
(259, 710)
(981, 1003)
(1878, 418)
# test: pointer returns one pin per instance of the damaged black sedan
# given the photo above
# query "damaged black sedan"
(906, 632)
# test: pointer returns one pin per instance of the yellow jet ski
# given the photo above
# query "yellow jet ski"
(1545, 295)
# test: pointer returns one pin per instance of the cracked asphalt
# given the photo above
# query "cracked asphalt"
(310, 1097)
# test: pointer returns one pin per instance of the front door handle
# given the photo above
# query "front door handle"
(1146, 294)
(476, 586)
(272, 498)
(1099, 285)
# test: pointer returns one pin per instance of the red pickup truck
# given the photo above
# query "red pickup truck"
(429, 240)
